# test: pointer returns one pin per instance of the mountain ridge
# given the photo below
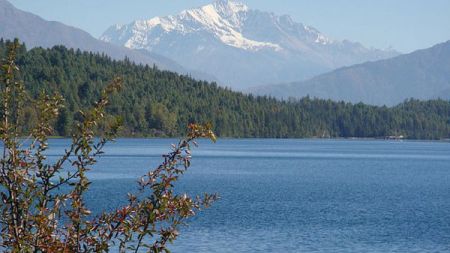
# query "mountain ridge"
(422, 74)
(38, 32)
(241, 46)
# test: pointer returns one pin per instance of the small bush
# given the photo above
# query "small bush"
(43, 207)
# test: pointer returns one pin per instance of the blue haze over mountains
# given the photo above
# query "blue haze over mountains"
(423, 74)
(250, 50)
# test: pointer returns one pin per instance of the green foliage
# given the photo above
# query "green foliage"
(43, 207)
(160, 103)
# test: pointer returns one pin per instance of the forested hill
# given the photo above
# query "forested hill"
(162, 103)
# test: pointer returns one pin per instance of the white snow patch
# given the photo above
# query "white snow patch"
(222, 19)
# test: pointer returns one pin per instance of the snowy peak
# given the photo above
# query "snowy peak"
(221, 12)
(222, 19)
(241, 46)
(229, 6)
(229, 9)
(225, 20)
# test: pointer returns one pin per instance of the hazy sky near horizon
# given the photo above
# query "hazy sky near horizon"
(405, 25)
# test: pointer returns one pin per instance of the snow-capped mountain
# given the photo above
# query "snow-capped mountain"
(240, 46)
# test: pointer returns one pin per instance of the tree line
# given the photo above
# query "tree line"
(155, 102)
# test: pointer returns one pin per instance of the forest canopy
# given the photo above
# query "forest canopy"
(154, 102)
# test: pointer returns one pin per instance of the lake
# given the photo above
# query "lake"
(297, 195)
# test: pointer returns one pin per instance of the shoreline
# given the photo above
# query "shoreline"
(275, 138)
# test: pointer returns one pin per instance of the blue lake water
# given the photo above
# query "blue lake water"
(297, 195)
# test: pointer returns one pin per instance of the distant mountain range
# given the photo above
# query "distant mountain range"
(240, 46)
(37, 32)
(423, 74)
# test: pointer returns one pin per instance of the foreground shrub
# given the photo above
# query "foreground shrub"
(42, 202)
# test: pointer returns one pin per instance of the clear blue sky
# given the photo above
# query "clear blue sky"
(405, 25)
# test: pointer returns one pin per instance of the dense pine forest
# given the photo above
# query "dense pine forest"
(161, 103)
